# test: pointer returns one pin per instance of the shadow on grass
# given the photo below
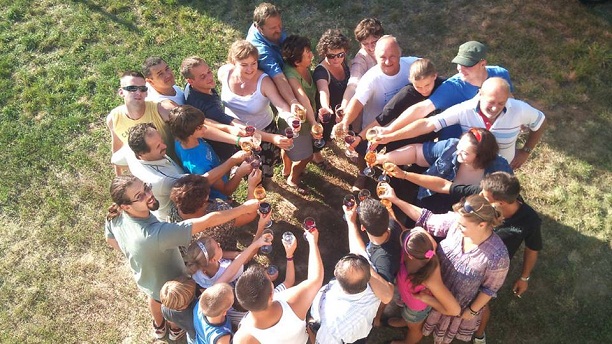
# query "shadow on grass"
(113, 17)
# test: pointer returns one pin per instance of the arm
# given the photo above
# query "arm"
(532, 140)
(218, 217)
(411, 114)
(164, 107)
(113, 243)
(282, 85)
(406, 155)
(441, 298)
(530, 257)
(233, 183)
(353, 109)
(301, 296)
(419, 127)
(242, 259)
(225, 339)
(116, 143)
(323, 88)
(410, 210)
(381, 288)
(479, 302)
(433, 183)
(298, 90)
(356, 244)
(216, 173)
(290, 269)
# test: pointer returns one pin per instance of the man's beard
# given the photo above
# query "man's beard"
(154, 206)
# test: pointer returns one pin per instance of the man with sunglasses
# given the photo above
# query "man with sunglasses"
(150, 163)
(151, 246)
(135, 110)
(347, 305)
(521, 222)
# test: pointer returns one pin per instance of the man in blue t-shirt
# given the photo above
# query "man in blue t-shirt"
(472, 72)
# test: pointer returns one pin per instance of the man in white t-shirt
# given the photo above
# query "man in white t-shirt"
(491, 109)
(161, 82)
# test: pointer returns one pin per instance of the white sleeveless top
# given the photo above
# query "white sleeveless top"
(253, 109)
(289, 329)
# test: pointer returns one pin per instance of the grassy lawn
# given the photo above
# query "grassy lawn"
(59, 65)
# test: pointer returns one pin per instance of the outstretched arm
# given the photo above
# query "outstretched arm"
(410, 210)
(216, 218)
(356, 244)
(411, 114)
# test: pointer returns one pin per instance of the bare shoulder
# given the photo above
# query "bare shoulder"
(242, 336)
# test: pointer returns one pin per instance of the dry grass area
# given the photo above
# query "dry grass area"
(60, 283)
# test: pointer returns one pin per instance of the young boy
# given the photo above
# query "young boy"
(178, 299)
(209, 315)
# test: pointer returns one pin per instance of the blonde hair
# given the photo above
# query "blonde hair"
(199, 253)
(216, 299)
(241, 50)
(178, 294)
(421, 69)
(482, 211)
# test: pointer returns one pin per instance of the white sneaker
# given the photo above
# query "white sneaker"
(176, 334)
(160, 332)
(482, 340)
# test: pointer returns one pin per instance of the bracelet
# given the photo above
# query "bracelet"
(238, 141)
(361, 137)
(472, 312)
(525, 279)
(289, 259)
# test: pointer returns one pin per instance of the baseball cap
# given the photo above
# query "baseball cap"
(470, 53)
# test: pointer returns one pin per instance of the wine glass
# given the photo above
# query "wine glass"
(371, 134)
(246, 146)
(349, 138)
(265, 208)
(309, 225)
(326, 117)
(296, 125)
(381, 189)
(317, 133)
(288, 238)
(267, 249)
(255, 161)
(363, 194)
(370, 159)
(272, 272)
(259, 193)
(250, 130)
(339, 111)
(256, 141)
(300, 113)
(387, 167)
(349, 202)
(290, 135)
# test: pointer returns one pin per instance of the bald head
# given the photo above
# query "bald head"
(387, 53)
(493, 95)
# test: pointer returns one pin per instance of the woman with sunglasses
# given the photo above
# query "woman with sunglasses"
(473, 261)
(465, 161)
(419, 284)
(331, 77)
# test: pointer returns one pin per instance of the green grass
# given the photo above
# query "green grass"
(59, 67)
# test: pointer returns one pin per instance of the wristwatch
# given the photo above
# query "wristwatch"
(526, 149)
(525, 279)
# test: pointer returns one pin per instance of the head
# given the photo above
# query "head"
(216, 300)
(133, 87)
(419, 250)
(477, 147)
(178, 294)
(423, 76)
(146, 142)
(157, 73)
(500, 187)
(185, 121)
(374, 217)
(197, 73)
(471, 61)
(493, 96)
(254, 289)
(333, 46)
(130, 194)
(388, 55)
(243, 55)
(477, 216)
(296, 50)
(367, 33)
(267, 20)
(190, 193)
(353, 273)
(201, 253)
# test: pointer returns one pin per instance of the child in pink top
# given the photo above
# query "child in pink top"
(419, 284)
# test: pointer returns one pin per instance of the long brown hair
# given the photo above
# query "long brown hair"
(420, 250)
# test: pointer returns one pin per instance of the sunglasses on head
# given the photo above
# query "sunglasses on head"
(133, 88)
(333, 56)
(467, 207)
(476, 134)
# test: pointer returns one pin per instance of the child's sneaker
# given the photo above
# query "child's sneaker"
(176, 334)
(160, 332)
(482, 340)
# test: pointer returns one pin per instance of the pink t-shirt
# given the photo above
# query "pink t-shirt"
(407, 290)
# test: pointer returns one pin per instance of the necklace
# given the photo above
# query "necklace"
(242, 83)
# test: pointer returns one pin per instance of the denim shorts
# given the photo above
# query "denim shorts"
(412, 316)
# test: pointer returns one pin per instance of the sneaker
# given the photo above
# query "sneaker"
(160, 332)
(176, 334)
(359, 184)
(482, 340)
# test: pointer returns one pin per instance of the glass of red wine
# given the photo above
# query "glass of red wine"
(296, 125)
(349, 202)
(255, 161)
(290, 135)
(265, 208)
(250, 130)
(349, 139)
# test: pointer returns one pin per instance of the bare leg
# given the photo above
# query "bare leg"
(297, 168)
(287, 163)
(317, 157)
(484, 319)
(155, 309)
(414, 334)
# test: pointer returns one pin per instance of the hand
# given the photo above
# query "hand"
(312, 236)
(296, 106)
(264, 240)
(264, 219)
(520, 156)
(281, 141)
(254, 178)
(339, 129)
(338, 117)
(350, 214)
(396, 172)
(356, 142)
(239, 129)
(240, 155)
(244, 169)
(323, 111)
(290, 249)
(520, 287)
(390, 194)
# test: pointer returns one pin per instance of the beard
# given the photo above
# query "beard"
(154, 206)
